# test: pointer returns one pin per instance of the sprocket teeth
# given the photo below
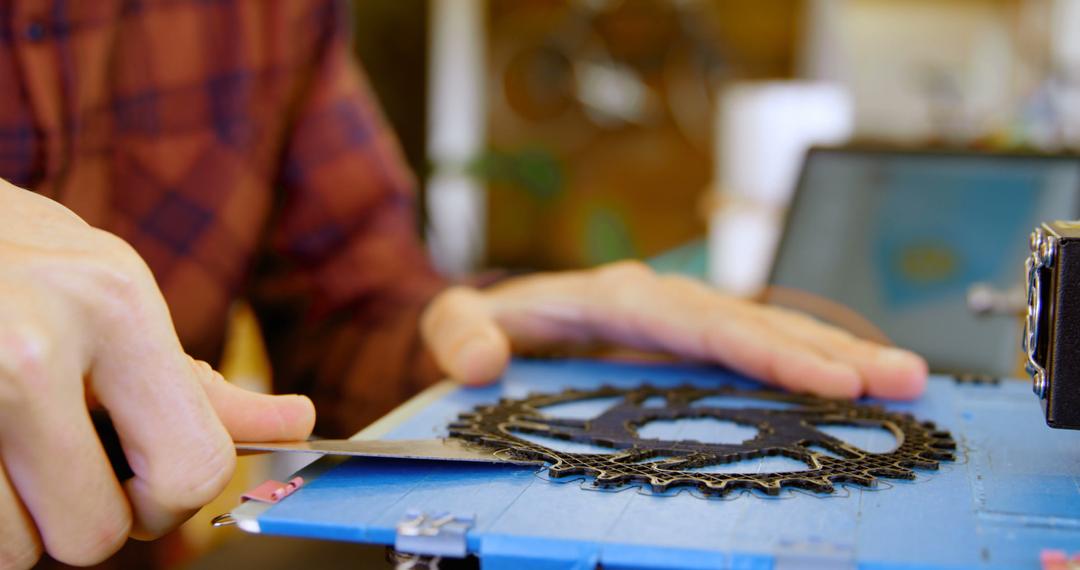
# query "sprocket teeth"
(662, 466)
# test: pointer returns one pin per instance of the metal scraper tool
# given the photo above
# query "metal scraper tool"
(415, 449)
(426, 449)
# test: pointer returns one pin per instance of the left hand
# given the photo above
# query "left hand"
(472, 333)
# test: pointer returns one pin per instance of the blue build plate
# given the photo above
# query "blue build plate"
(1012, 493)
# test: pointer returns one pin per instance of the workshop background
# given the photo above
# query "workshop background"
(559, 134)
(565, 134)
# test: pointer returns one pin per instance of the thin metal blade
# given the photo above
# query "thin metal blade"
(435, 449)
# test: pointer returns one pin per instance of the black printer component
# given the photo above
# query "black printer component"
(1052, 328)
(787, 425)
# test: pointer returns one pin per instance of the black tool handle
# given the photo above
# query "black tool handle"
(110, 440)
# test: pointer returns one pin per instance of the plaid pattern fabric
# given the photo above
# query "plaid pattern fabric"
(237, 147)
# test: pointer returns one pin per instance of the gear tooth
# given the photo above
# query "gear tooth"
(560, 470)
(826, 485)
(610, 479)
(935, 458)
(719, 486)
(771, 488)
(893, 472)
(815, 484)
(861, 479)
(658, 484)
(937, 455)
(713, 489)
(922, 445)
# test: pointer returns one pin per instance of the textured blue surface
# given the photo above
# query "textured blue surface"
(1013, 492)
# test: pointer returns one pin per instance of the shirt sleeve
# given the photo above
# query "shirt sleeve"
(344, 277)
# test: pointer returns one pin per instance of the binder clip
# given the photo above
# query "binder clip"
(273, 491)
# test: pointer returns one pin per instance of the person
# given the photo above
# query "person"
(164, 158)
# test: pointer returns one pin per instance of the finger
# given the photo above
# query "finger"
(180, 453)
(732, 333)
(627, 304)
(249, 416)
(887, 372)
(770, 356)
(67, 484)
(21, 546)
(52, 455)
(701, 332)
(178, 449)
(464, 338)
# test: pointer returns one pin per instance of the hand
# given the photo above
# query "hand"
(472, 333)
(83, 324)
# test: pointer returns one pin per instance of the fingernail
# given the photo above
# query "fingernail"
(902, 375)
(896, 358)
(475, 360)
(470, 352)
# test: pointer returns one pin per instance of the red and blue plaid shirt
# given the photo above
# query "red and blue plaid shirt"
(237, 147)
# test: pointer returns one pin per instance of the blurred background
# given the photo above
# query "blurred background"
(557, 134)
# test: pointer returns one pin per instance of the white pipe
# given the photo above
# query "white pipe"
(456, 203)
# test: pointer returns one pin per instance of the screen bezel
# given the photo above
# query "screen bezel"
(800, 192)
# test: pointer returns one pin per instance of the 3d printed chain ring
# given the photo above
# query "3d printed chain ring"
(657, 465)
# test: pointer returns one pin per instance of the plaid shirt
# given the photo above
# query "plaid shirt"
(236, 146)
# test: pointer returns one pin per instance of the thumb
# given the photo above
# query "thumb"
(464, 338)
(250, 416)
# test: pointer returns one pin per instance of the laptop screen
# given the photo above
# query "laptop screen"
(901, 237)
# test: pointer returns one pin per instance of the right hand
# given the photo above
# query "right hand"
(83, 324)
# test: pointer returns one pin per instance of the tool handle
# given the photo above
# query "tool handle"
(110, 441)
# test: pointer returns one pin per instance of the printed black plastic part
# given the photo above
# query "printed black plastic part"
(658, 465)
(972, 379)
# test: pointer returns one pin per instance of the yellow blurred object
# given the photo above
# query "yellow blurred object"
(245, 363)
